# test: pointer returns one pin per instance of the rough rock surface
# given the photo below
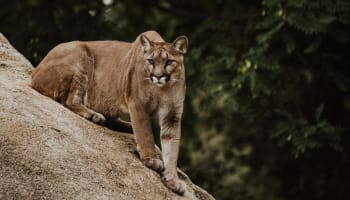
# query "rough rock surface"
(48, 152)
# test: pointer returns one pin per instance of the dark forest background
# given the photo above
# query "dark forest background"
(267, 108)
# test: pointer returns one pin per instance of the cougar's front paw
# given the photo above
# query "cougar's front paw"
(174, 183)
(98, 118)
(154, 163)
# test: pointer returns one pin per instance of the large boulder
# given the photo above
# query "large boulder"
(48, 152)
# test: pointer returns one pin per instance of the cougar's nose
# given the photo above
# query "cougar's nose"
(157, 76)
(160, 78)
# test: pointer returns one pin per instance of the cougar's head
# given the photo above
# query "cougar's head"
(163, 62)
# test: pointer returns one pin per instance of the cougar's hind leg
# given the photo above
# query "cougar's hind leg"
(80, 86)
(74, 101)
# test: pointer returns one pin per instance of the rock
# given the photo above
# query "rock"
(48, 152)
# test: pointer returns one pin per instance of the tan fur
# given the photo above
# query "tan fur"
(104, 79)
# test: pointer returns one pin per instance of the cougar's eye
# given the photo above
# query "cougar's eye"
(169, 62)
(151, 61)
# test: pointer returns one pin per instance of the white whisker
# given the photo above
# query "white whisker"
(176, 79)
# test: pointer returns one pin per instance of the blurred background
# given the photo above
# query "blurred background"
(267, 106)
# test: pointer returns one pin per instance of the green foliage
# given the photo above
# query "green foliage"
(267, 108)
(276, 81)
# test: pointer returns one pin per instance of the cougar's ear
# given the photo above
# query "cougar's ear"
(180, 44)
(146, 43)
